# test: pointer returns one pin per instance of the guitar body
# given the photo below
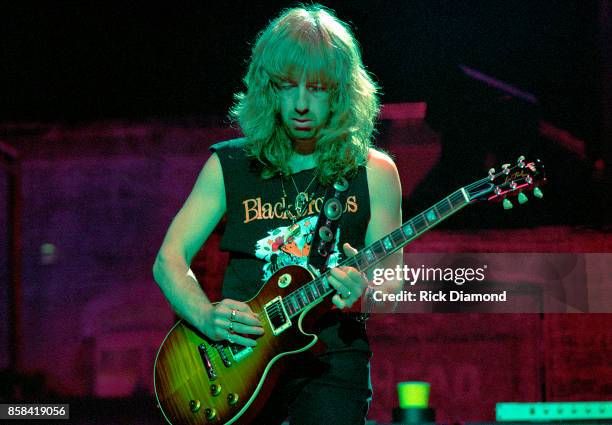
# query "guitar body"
(199, 381)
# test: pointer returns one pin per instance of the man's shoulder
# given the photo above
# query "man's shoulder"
(380, 161)
(383, 180)
(231, 151)
(233, 145)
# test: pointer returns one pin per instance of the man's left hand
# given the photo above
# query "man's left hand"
(348, 282)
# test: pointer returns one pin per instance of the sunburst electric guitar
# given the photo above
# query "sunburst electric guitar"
(199, 381)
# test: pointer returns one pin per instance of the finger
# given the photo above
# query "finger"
(344, 297)
(357, 277)
(337, 284)
(243, 312)
(339, 273)
(240, 306)
(351, 281)
(349, 251)
(241, 328)
(240, 340)
(247, 319)
(224, 321)
(339, 302)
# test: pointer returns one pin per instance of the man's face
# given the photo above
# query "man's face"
(304, 107)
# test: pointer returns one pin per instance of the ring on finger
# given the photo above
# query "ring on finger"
(233, 316)
(345, 295)
(229, 337)
(231, 327)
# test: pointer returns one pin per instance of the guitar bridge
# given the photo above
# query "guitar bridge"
(210, 369)
(223, 355)
(277, 315)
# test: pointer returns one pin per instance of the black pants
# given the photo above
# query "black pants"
(333, 388)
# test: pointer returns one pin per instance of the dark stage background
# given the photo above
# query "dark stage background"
(112, 107)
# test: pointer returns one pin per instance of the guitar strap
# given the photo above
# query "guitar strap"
(322, 245)
(324, 237)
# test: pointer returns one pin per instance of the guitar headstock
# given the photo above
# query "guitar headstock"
(512, 180)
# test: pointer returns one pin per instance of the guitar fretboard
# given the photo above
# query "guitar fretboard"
(319, 288)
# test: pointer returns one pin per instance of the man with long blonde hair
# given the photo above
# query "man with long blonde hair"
(307, 114)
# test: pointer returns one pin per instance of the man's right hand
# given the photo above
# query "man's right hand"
(229, 320)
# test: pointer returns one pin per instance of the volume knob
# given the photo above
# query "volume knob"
(232, 399)
(210, 413)
(215, 389)
(194, 405)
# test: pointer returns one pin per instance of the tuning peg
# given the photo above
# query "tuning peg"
(492, 174)
(522, 198)
(506, 168)
(507, 204)
(538, 193)
(521, 161)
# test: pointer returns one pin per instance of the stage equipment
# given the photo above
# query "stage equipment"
(554, 411)
(413, 407)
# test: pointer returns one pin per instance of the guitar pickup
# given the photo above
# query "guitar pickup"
(210, 369)
(277, 315)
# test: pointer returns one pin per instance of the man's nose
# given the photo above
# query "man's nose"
(301, 102)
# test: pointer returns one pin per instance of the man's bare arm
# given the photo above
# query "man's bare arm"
(386, 210)
(189, 230)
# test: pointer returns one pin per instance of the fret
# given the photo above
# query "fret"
(432, 215)
(419, 223)
(351, 262)
(313, 288)
(408, 230)
(378, 249)
(310, 291)
(309, 296)
(307, 293)
(320, 288)
(361, 261)
(288, 306)
(388, 243)
(370, 257)
(456, 200)
(325, 283)
(444, 207)
(294, 304)
(398, 237)
(303, 296)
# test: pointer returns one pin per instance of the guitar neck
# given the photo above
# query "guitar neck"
(319, 288)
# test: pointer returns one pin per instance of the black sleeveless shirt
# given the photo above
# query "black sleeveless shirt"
(257, 238)
(256, 233)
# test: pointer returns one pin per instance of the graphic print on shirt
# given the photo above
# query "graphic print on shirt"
(289, 245)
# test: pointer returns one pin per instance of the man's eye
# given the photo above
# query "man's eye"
(285, 86)
(316, 89)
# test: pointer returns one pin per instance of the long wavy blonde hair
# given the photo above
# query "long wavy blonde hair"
(308, 39)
